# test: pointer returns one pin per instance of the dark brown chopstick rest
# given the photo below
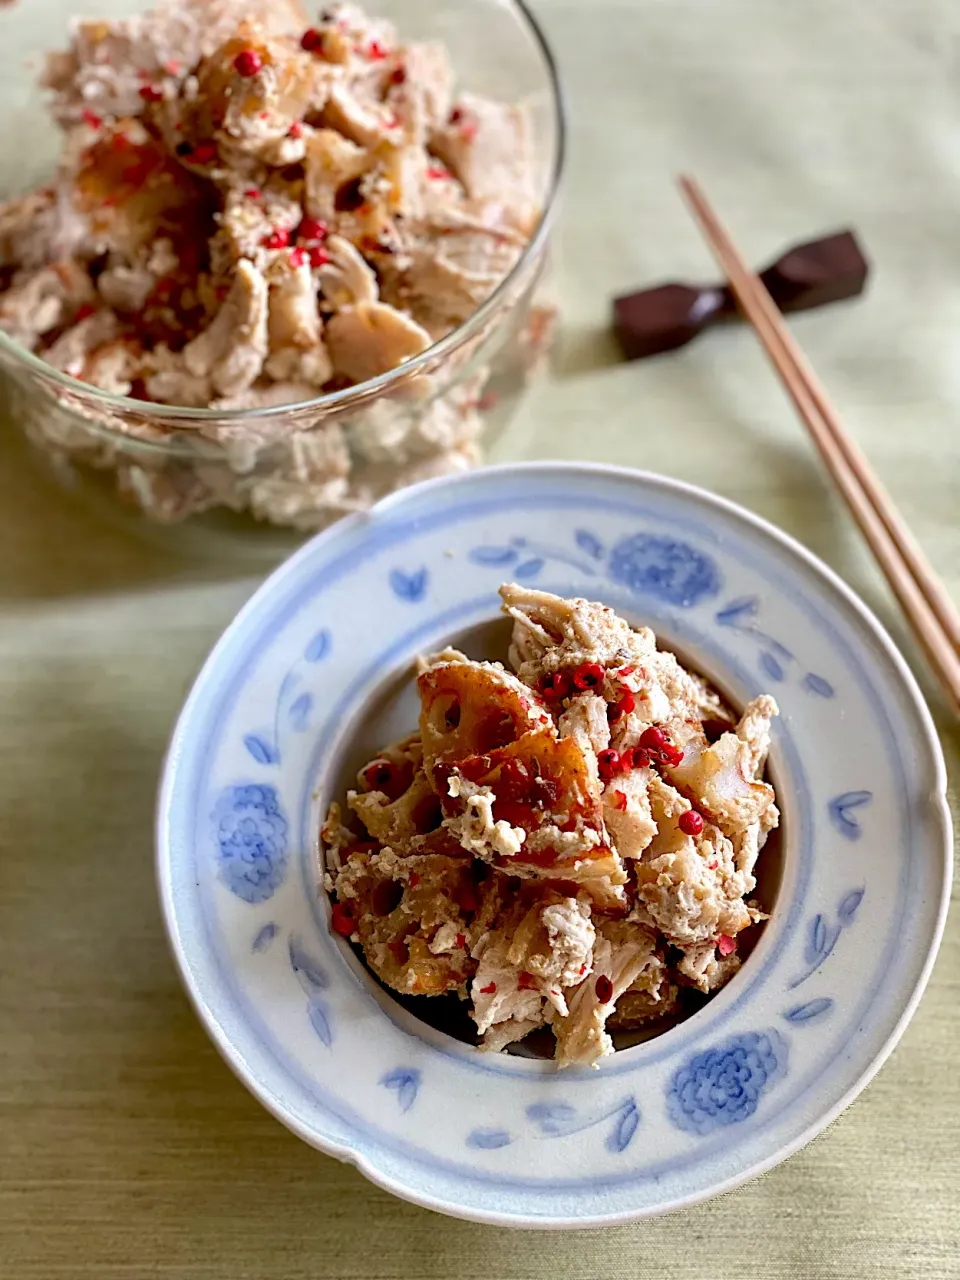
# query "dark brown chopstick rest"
(671, 315)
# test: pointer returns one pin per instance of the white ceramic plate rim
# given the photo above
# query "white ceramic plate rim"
(234, 1058)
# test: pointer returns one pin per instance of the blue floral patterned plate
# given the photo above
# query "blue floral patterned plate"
(317, 668)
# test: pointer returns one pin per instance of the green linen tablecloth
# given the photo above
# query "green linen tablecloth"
(127, 1148)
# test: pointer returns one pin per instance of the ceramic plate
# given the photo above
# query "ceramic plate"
(317, 668)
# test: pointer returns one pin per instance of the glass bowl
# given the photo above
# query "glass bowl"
(255, 481)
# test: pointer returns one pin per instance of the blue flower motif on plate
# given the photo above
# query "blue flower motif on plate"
(664, 568)
(251, 835)
(723, 1085)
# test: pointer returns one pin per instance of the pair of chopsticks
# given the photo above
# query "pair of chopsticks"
(929, 610)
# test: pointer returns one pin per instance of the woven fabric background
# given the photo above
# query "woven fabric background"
(127, 1149)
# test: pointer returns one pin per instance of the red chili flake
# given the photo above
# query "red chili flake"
(456, 115)
(437, 171)
(626, 671)
(414, 880)
(312, 229)
(295, 130)
(589, 675)
(726, 944)
(398, 75)
(247, 63)
(690, 822)
(620, 800)
(712, 866)
(341, 920)
(91, 118)
(461, 939)
(489, 989)
(264, 115)
(253, 193)
(150, 93)
(555, 686)
(319, 257)
(298, 257)
(653, 739)
(376, 52)
(84, 312)
(608, 762)
(604, 989)
(583, 970)
(172, 67)
(527, 982)
(204, 153)
(312, 40)
(277, 239)
(467, 900)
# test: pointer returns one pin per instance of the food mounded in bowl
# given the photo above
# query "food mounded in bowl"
(283, 263)
(561, 847)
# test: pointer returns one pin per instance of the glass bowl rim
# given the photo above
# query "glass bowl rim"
(362, 391)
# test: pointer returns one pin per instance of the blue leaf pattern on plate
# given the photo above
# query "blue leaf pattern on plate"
(848, 906)
(264, 936)
(320, 1020)
(560, 1119)
(409, 586)
(492, 555)
(590, 543)
(261, 750)
(664, 568)
(310, 972)
(488, 1139)
(405, 1082)
(624, 1129)
(801, 1013)
(839, 810)
(251, 835)
(737, 611)
(771, 666)
(529, 569)
(724, 1084)
(319, 646)
(553, 1118)
(300, 710)
(816, 684)
(822, 936)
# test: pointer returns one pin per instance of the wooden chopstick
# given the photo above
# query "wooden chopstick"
(922, 596)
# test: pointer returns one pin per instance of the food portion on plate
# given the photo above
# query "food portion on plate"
(570, 843)
(253, 207)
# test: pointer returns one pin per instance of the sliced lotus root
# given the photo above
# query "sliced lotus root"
(472, 709)
(417, 918)
(544, 786)
(397, 804)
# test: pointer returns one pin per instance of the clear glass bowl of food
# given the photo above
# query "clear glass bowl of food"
(271, 264)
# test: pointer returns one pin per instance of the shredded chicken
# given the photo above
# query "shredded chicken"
(593, 887)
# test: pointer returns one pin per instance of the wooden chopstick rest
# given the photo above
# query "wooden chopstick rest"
(669, 316)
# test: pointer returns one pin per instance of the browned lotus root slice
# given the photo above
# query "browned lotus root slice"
(540, 781)
(472, 708)
(544, 789)
(417, 918)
